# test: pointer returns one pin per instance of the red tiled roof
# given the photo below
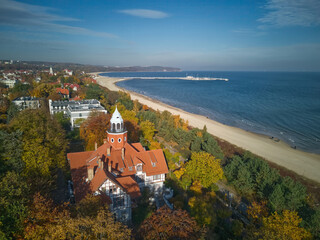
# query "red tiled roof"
(130, 185)
(153, 163)
(62, 91)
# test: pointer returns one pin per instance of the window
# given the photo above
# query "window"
(118, 125)
(119, 140)
(112, 140)
(112, 189)
(125, 138)
(157, 177)
(139, 167)
(113, 126)
(118, 202)
(80, 114)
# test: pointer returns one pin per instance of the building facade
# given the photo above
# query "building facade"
(27, 102)
(117, 170)
(76, 109)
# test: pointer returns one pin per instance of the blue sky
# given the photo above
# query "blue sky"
(267, 35)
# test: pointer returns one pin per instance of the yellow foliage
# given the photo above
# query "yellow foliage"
(179, 173)
(257, 210)
(283, 227)
(199, 134)
(204, 168)
(154, 145)
(196, 187)
(147, 129)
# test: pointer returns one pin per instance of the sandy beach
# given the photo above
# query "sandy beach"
(305, 164)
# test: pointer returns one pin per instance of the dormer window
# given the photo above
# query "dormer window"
(130, 168)
(139, 168)
(121, 169)
(153, 164)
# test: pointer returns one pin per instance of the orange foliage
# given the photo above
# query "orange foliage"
(168, 224)
(145, 107)
(93, 130)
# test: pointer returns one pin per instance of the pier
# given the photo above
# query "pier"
(183, 78)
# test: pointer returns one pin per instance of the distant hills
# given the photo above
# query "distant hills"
(39, 65)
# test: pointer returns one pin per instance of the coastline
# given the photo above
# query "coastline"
(280, 153)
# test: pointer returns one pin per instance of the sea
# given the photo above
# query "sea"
(281, 105)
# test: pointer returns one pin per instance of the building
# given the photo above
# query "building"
(27, 102)
(81, 110)
(68, 72)
(58, 106)
(9, 82)
(117, 170)
(75, 109)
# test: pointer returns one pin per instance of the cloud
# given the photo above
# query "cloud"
(145, 13)
(249, 32)
(30, 16)
(292, 13)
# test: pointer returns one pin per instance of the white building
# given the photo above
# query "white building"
(82, 110)
(27, 102)
(9, 82)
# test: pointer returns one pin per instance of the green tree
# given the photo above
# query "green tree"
(11, 151)
(13, 204)
(204, 168)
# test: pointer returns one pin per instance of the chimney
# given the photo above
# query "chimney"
(122, 153)
(95, 146)
(90, 174)
(108, 151)
(104, 141)
(109, 166)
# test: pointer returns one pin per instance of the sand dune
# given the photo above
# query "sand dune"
(305, 164)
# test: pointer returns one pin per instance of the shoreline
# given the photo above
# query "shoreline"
(303, 163)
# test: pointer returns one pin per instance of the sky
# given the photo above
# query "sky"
(239, 35)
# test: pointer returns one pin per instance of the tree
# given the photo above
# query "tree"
(43, 90)
(50, 222)
(283, 227)
(204, 168)
(202, 209)
(11, 151)
(168, 224)
(13, 204)
(147, 128)
(93, 130)
(257, 211)
(44, 143)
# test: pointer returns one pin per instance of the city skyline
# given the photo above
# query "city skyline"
(271, 35)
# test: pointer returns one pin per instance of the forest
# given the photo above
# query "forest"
(220, 191)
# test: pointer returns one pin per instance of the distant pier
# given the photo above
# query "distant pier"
(183, 78)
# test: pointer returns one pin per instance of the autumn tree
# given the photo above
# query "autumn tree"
(257, 211)
(44, 143)
(168, 224)
(204, 168)
(93, 130)
(43, 90)
(202, 208)
(56, 222)
(147, 128)
(283, 227)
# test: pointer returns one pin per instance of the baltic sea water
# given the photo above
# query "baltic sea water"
(284, 105)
